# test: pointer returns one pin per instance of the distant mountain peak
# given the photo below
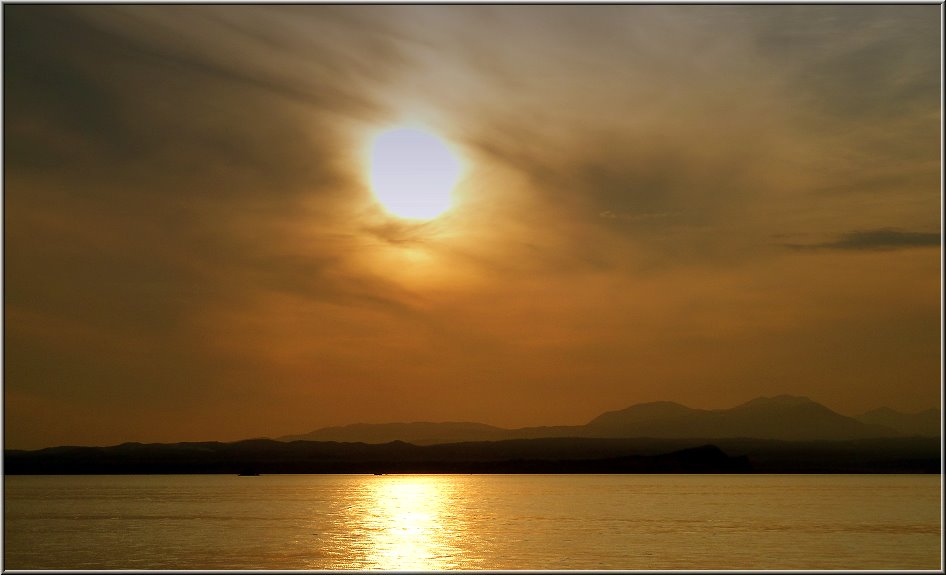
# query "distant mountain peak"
(783, 417)
(783, 399)
(654, 406)
(672, 404)
(653, 409)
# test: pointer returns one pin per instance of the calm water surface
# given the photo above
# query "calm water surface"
(436, 522)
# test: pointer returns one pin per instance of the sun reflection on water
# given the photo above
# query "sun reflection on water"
(410, 524)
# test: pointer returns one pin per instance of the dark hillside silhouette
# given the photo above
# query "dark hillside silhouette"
(550, 455)
(924, 423)
(419, 433)
(783, 434)
(785, 417)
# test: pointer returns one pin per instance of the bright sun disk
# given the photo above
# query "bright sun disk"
(413, 173)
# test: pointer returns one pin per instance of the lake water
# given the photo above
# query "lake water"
(437, 522)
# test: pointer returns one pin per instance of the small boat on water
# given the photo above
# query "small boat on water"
(248, 474)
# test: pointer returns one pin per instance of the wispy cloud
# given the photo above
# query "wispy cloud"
(634, 217)
(192, 243)
(874, 240)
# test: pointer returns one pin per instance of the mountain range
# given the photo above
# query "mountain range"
(783, 417)
(783, 434)
(924, 423)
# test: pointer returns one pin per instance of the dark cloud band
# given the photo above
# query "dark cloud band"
(875, 240)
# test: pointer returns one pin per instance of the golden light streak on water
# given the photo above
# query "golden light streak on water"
(407, 523)
(473, 522)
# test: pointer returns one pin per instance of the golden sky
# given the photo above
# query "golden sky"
(701, 204)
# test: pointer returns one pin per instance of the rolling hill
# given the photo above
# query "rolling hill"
(784, 417)
(924, 423)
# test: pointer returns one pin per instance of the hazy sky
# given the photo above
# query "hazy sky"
(701, 204)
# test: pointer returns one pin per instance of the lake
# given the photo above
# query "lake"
(438, 522)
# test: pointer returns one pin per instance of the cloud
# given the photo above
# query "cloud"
(882, 239)
(155, 182)
(187, 218)
(634, 217)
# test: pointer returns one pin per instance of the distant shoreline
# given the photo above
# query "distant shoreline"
(527, 456)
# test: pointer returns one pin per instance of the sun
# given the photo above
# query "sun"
(413, 173)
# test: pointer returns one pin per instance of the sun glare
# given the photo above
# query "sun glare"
(413, 173)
